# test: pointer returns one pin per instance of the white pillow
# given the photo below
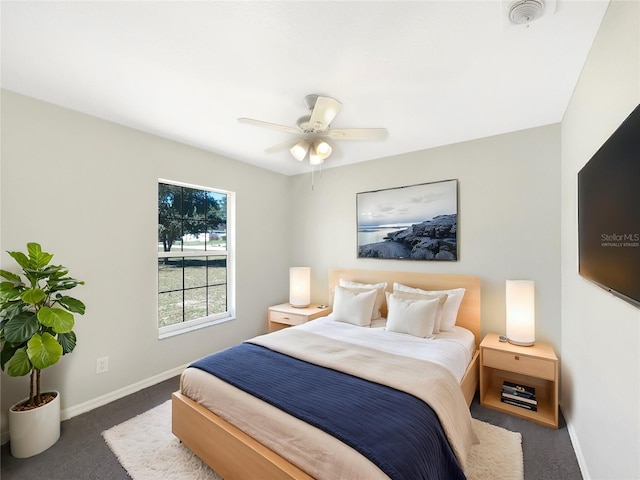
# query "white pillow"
(451, 306)
(379, 287)
(353, 307)
(415, 317)
(423, 296)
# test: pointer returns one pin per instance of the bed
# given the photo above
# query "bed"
(231, 449)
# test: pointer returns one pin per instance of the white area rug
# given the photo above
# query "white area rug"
(147, 450)
(498, 456)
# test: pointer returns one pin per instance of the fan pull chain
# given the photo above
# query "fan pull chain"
(313, 169)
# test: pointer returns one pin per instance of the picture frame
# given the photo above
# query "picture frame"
(414, 222)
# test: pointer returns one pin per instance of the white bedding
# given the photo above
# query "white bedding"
(452, 350)
(317, 453)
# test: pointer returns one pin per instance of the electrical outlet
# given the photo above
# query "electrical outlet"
(102, 365)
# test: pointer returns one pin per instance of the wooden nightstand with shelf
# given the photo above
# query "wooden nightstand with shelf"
(284, 315)
(535, 366)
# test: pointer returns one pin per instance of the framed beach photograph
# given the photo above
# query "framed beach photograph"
(416, 222)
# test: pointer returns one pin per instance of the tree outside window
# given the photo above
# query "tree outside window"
(192, 255)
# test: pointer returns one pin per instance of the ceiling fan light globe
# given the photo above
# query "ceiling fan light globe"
(299, 150)
(315, 159)
(322, 148)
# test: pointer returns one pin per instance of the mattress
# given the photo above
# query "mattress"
(316, 452)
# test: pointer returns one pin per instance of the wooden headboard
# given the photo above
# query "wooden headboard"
(469, 313)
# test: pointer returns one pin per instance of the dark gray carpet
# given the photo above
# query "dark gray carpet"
(82, 454)
(548, 453)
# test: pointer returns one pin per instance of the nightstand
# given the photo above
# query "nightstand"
(284, 315)
(535, 366)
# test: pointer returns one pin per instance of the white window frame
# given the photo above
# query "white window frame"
(229, 253)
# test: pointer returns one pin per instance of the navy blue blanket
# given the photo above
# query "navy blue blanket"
(395, 430)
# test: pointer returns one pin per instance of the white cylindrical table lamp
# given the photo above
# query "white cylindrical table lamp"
(300, 286)
(521, 326)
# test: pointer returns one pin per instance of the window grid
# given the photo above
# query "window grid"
(202, 215)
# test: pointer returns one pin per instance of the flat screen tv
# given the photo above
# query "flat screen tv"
(609, 213)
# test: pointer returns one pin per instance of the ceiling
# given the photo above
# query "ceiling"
(430, 72)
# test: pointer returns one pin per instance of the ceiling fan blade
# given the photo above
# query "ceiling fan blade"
(280, 146)
(273, 126)
(324, 111)
(357, 133)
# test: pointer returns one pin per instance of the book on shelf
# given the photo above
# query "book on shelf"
(530, 401)
(518, 395)
(518, 403)
(520, 390)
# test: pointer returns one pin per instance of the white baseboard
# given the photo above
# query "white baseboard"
(577, 449)
(102, 400)
(76, 410)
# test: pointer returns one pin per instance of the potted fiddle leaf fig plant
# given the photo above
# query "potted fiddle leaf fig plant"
(36, 330)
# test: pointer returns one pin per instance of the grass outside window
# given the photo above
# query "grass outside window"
(195, 261)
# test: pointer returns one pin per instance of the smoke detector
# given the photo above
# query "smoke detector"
(526, 11)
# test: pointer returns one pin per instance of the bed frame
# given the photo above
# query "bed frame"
(235, 455)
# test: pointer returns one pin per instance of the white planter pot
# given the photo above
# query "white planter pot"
(33, 431)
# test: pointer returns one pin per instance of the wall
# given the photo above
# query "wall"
(509, 219)
(600, 333)
(86, 190)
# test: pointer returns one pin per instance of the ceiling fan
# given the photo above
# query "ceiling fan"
(314, 130)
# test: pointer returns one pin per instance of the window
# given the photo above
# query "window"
(195, 260)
